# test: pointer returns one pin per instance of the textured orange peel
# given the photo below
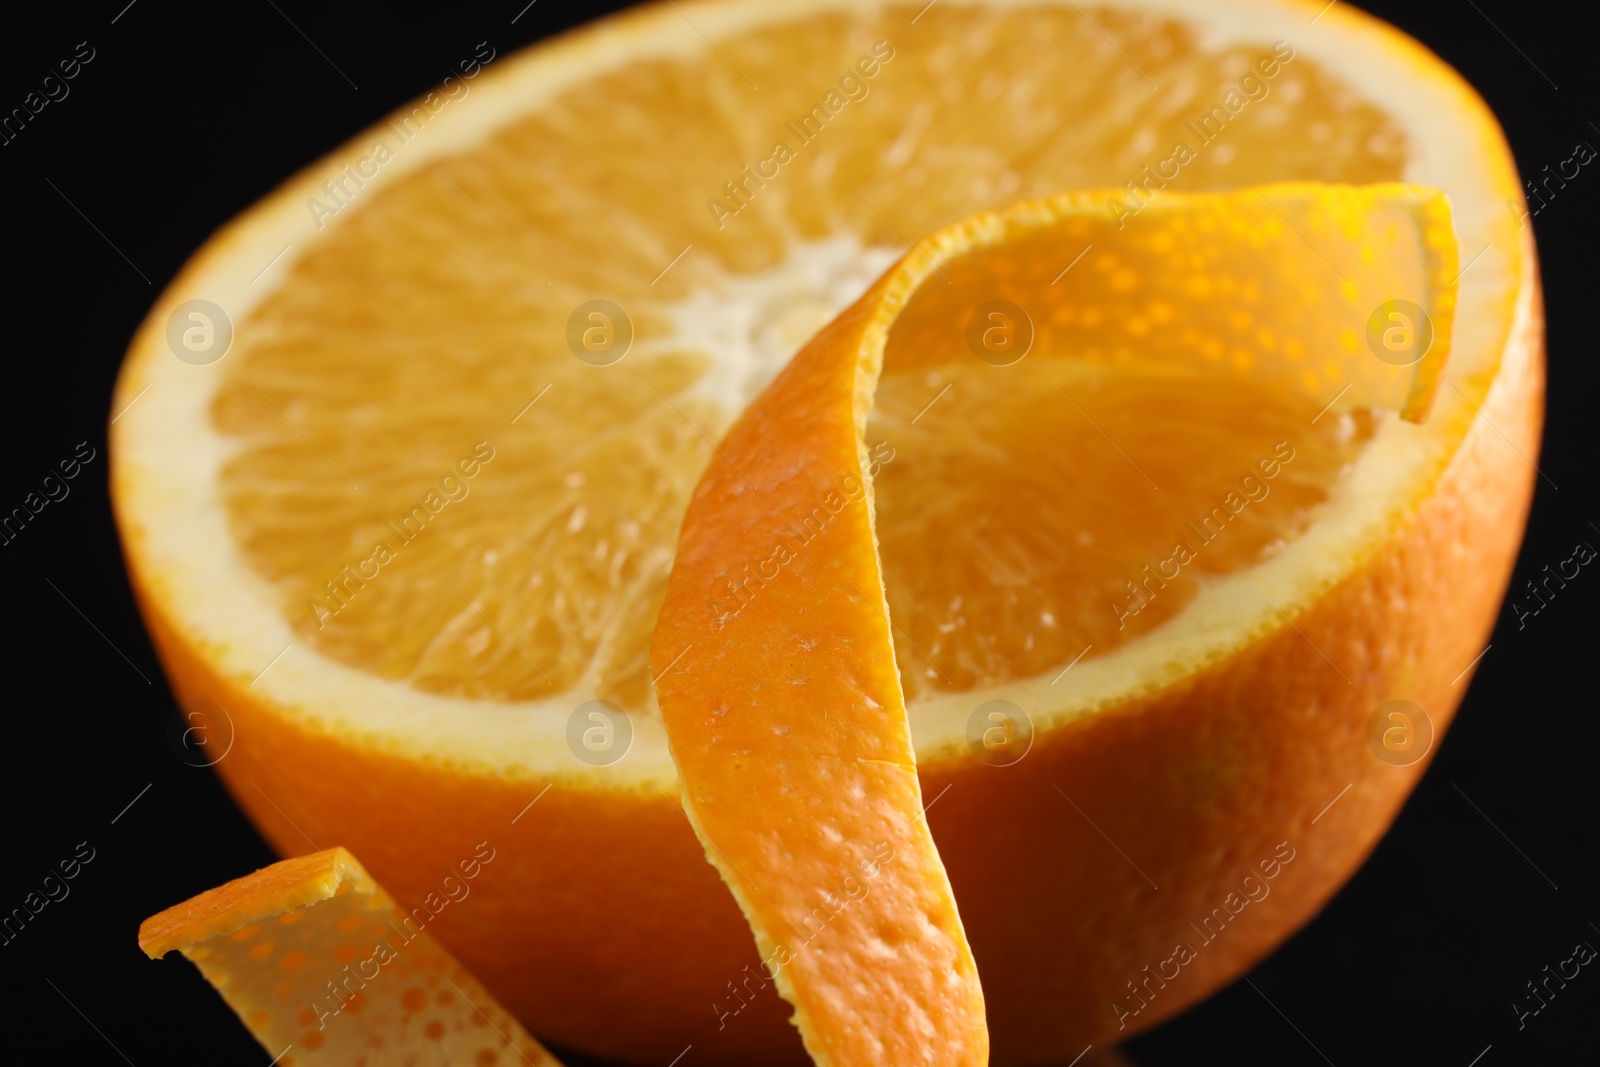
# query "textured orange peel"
(325, 968)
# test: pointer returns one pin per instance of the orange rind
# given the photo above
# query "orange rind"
(325, 968)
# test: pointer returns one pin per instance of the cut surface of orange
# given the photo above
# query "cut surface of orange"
(786, 717)
(415, 519)
(325, 968)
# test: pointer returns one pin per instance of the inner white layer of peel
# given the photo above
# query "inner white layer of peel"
(754, 323)
(169, 457)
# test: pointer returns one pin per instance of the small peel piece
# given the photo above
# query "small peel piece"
(325, 968)
(786, 718)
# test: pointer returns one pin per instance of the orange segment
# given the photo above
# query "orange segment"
(787, 720)
(324, 968)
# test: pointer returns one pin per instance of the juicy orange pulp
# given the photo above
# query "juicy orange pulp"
(428, 319)
(1037, 512)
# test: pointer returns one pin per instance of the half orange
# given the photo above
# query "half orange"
(415, 428)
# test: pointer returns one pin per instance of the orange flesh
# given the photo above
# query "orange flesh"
(421, 323)
(1009, 521)
(324, 968)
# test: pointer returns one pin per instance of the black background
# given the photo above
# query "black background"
(190, 113)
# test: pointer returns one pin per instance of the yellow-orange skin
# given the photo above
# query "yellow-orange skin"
(602, 926)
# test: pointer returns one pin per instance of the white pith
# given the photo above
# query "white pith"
(168, 456)
(756, 322)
